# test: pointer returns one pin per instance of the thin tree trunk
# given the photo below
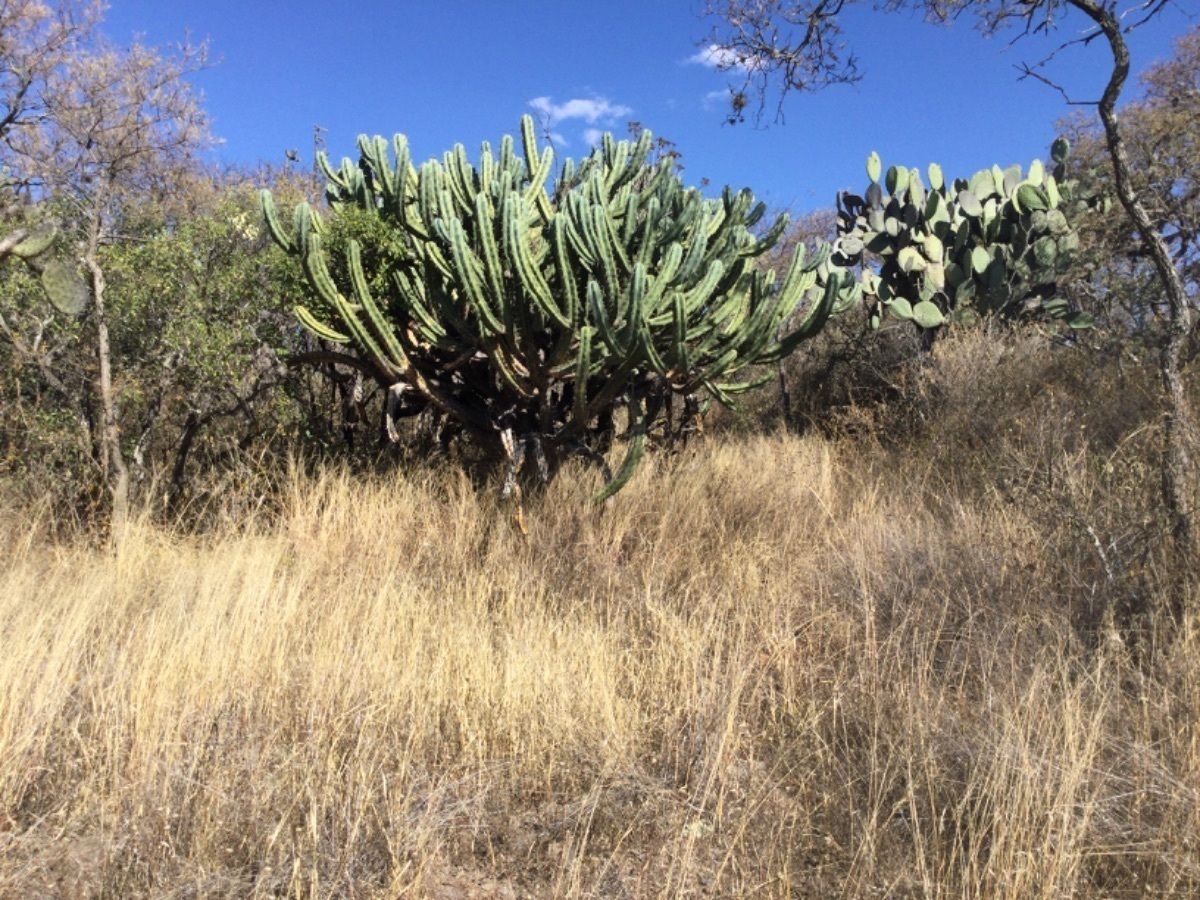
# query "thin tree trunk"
(1178, 429)
(116, 473)
(190, 429)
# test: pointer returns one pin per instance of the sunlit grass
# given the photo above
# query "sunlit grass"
(766, 669)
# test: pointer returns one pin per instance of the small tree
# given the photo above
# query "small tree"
(98, 131)
(1164, 156)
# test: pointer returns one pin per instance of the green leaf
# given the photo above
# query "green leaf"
(1045, 251)
(936, 180)
(901, 309)
(68, 292)
(1030, 197)
(1037, 173)
(910, 259)
(964, 315)
(874, 167)
(969, 203)
(982, 185)
(1059, 150)
(927, 315)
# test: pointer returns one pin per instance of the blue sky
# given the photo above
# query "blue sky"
(457, 71)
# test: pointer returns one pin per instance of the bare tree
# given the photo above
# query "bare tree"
(35, 39)
(784, 45)
(789, 46)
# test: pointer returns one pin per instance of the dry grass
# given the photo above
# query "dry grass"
(769, 669)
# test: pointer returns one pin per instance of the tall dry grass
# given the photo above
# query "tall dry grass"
(770, 668)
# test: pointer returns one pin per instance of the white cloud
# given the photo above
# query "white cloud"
(725, 58)
(591, 111)
(592, 136)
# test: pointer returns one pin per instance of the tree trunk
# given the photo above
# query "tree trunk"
(1178, 429)
(116, 473)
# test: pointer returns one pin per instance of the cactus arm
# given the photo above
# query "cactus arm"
(470, 274)
(679, 358)
(317, 327)
(768, 240)
(326, 171)
(566, 277)
(703, 289)
(539, 166)
(582, 371)
(812, 322)
(668, 269)
(374, 154)
(319, 278)
(616, 246)
(647, 350)
(530, 276)
(696, 252)
(598, 235)
(430, 329)
(633, 306)
(508, 158)
(485, 239)
(574, 228)
(502, 360)
(282, 239)
(634, 162)
(633, 454)
(455, 181)
(600, 315)
(362, 295)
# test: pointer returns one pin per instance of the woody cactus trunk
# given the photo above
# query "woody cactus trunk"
(530, 315)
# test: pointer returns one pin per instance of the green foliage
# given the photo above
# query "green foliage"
(994, 244)
(528, 315)
(199, 321)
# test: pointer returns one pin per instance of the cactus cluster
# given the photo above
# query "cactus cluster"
(526, 304)
(957, 251)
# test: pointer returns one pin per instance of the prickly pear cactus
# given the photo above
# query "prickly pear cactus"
(34, 245)
(993, 244)
(526, 304)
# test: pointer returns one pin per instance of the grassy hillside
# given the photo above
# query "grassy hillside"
(775, 666)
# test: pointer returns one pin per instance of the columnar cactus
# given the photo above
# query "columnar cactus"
(991, 244)
(528, 314)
